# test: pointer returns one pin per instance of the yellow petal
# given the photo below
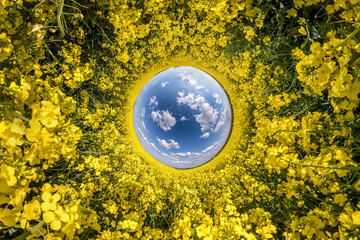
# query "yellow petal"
(49, 216)
(8, 217)
(56, 197)
(11, 142)
(32, 210)
(8, 173)
(46, 196)
(55, 225)
(69, 229)
(64, 217)
(17, 127)
(4, 188)
(356, 217)
(4, 199)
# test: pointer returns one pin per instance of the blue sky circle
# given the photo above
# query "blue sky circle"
(182, 117)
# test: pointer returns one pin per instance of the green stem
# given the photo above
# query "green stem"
(348, 38)
(22, 117)
(5, 155)
(51, 53)
(38, 5)
(9, 89)
(355, 63)
(79, 4)
(26, 142)
(32, 231)
(58, 18)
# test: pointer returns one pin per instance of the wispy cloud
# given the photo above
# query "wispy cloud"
(142, 124)
(182, 155)
(142, 114)
(205, 135)
(164, 84)
(154, 147)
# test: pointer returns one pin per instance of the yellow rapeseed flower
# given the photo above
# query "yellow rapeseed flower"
(302, 30)
(8, 217)
(50, 201)
(32, 210)
(8, 173)
(356, 217)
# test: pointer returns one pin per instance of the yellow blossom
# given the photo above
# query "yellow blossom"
(302, 30)
(32, 210)
(50, 201)
(291, 13)
(8, 173)
(356, 217)
(47, 114)
(8, 217)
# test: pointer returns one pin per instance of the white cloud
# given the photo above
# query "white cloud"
(143, 125)
(197, 156)
(183, 118)
(168, 145)
(213, 146)
(183, 155)
(205, 135)
(208, 115)
(207, 149)
(163, 119)
(188, 78)
(164, 84)
(142, 112)
(153, 101)
(219, 126)
(169, 156)
(217, 98)
(225, 116)
(154, 147)
(142, 135)
(199, 87)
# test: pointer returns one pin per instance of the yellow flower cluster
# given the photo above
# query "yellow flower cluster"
(72, 167)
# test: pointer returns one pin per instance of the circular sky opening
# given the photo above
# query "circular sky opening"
(182, 117)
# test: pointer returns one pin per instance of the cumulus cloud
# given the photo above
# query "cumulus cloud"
(218, 126)
(183, 118)
(163, 119)
(205, 135)
(153, 102)
(225, 116)
(188, 78)
(217, 98)
(164, 84)
(168, 145)
(208, 115)
(199, 87)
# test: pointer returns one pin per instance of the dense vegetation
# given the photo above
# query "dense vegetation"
(72, 168)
